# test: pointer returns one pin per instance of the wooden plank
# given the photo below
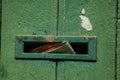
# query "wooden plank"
(26, 17)
(118, 9)
(101, 14)
(118, 51)
(0, 38)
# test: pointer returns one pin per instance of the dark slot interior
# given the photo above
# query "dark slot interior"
(79, 48)
(29, 46)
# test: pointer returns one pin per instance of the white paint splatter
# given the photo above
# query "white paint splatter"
(86, 24)
(83, 11)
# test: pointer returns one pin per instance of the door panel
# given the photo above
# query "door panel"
(29, 70)
(38, 17)
(118, 5)
(26, 17)
(101, 14)
(118, 51)
(70, 70)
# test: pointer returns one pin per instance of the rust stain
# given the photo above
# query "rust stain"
(50, 38)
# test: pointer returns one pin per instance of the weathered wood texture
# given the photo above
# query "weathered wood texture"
(0, 25)
(102, 16)
(23, 17)
(26, 17)
(118, 8)
(118, 42)
(118, 51)
(0, 22)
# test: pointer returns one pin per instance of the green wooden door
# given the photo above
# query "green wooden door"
(64, 18)
(101, 14)
(118, 51)
(26, 17)
(118, 40)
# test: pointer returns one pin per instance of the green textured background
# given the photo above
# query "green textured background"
(27, 17)
(118, 9)
(118, 40)
(118, 51)
(102, 16)
(23, 17)
(0, 24)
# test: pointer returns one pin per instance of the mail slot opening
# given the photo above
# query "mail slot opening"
(80, 48)
(56, 47)
(30, 47)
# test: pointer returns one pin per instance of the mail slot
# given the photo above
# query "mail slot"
(56, 48)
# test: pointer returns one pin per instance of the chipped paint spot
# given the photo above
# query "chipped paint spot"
(83, 11)
(86, 24)
(50, 38)
(88, 37)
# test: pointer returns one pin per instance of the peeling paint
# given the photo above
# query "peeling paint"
(50, 38)
(83, 11)
(86, 24)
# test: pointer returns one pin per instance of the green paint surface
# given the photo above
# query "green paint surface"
(118, 9)
(102, 16)
(118, 51)
(118, 42)
(23, 17)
